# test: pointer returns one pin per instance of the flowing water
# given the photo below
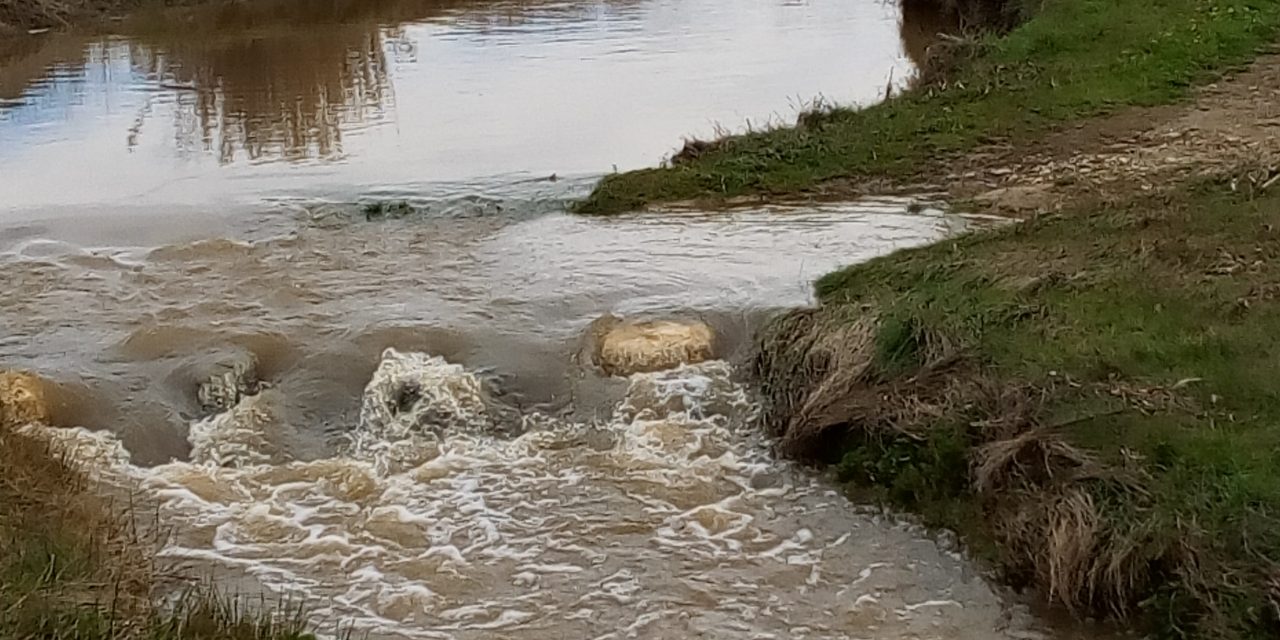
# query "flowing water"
(427, 456)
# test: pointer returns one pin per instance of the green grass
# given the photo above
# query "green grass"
(1075, 59)
(203, 614)
(1142, 334)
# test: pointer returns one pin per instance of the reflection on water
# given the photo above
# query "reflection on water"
(282, 79)
(188, 108)
(320, 82)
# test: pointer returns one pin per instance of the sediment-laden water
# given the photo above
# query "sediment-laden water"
(668, 517)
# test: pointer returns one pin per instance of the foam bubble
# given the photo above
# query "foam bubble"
(416, 392)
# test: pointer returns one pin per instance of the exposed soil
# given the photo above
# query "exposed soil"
(1231, 128)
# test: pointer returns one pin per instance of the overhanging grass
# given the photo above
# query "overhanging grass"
(1075, 59)
(1140, 336)
(72, 566)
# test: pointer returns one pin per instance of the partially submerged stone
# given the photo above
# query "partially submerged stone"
(623, 347)
(23, 400)
(231, 380)
(696, 391)
(415, 392)
(253, 432)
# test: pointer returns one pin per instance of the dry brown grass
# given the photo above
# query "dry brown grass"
(64, 549)
(822, 375)
(1036, 457)
(1040, 494)
(1071, 544)
(1073, 549)
(829, 380)
(808, 363)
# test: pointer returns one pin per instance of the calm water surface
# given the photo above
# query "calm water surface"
(188, 192)
(219, 109)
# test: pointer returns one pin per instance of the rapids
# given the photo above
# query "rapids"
(668, 518)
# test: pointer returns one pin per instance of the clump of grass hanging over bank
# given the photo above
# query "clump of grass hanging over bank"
(54, 576)
(74, 565)
(1073, 59)
(1092, 399)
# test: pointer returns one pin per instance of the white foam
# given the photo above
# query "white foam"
(251, 433)
(429, 526)
(416, 392)
(99, 451)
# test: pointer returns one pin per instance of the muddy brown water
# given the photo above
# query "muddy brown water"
(190, 190)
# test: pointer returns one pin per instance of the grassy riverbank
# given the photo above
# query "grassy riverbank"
(74, 565)
(1091, 399)
(1075, 59)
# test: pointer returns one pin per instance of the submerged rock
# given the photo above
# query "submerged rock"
(253, 432)
(23, 400)
(698, 391)
(385, 210)
(622, 348)
(414, 392)
(231, 381)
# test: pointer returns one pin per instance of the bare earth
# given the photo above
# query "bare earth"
(1231, 128)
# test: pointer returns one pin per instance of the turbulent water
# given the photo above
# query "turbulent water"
(424, 453)
(668, 518)
(130, 332)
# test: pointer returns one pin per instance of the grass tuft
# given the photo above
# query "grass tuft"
(204, 614)
(95, 580)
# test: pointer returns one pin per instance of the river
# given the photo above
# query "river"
(191, 190)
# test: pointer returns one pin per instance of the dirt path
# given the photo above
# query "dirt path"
(1232, 127)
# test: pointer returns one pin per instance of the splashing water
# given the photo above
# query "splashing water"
(670, 519)
(412, 392)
